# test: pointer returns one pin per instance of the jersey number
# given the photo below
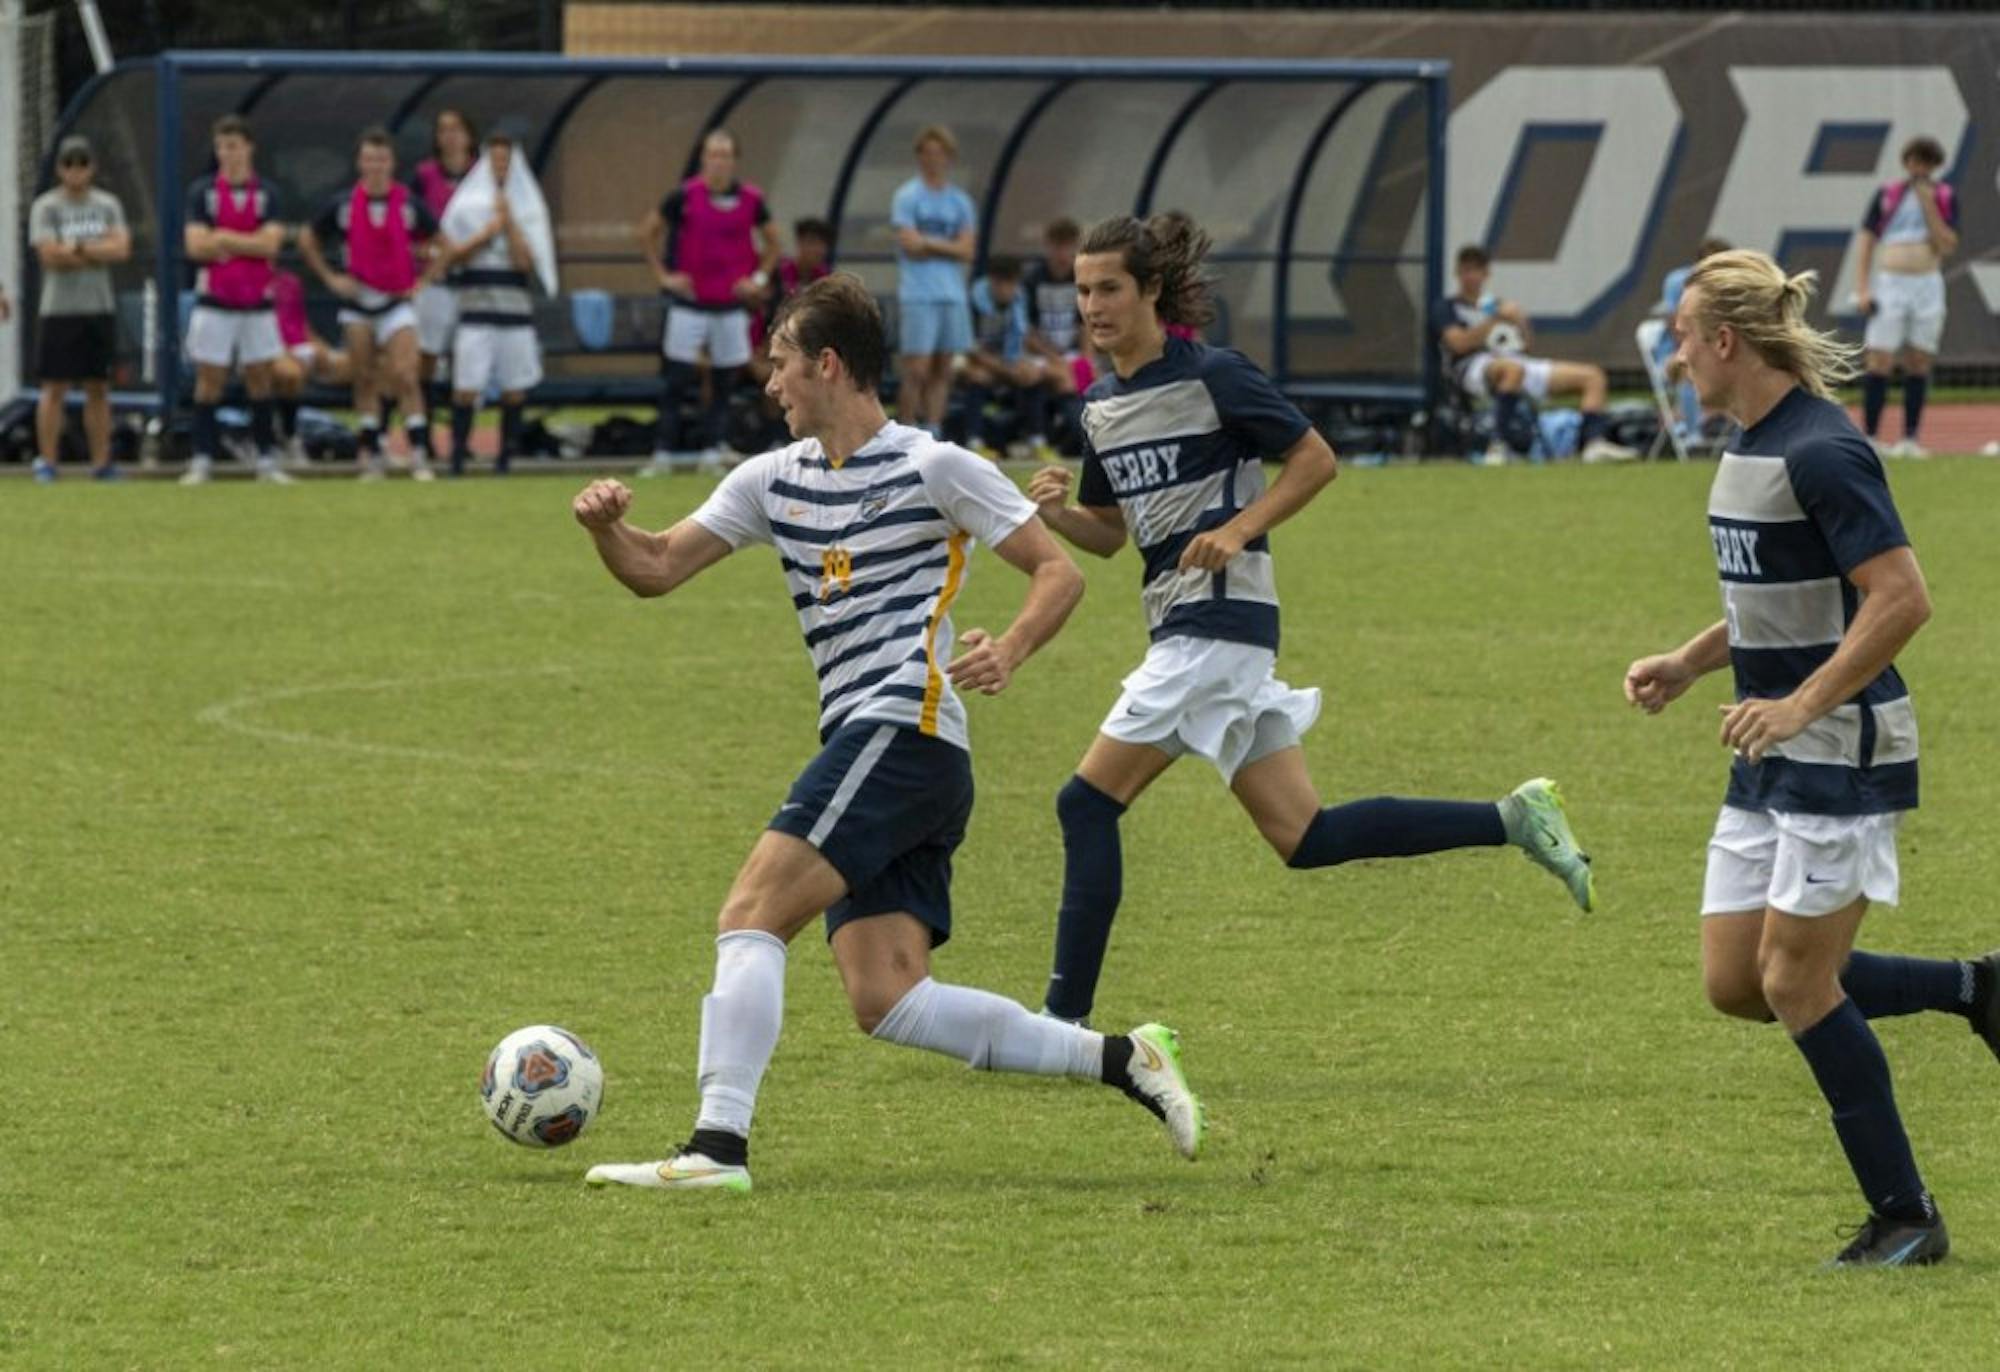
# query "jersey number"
(836, 565)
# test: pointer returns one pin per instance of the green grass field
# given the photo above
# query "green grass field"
(310, 795)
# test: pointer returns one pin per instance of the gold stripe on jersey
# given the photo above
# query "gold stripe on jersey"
(933, 678)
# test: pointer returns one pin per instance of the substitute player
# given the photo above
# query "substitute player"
(1910, 228)
(454, 148)
(873, 523)
(711, 244)
(1175, 441)
(380, 224)
(1820, 591)
(234, 231)
(496, 327)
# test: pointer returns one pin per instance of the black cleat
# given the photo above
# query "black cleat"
(1985, 1015)
(1883, 1242)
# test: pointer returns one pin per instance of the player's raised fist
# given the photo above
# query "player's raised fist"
(1049, 488)
(602, 504)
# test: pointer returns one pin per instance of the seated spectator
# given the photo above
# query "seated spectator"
(307, 357)
(1688, 406)
(1000, 361)
(811, 258)
(1485, 341)
(1055, 329)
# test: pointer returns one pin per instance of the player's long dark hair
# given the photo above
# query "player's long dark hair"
(1166, 250)
(464, 122)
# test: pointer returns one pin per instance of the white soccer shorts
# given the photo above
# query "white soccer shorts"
(1909, 312)
(1219, 700)
(1799, 864)
(437, 312)
(724, 333)
(1534, 377)
(218, 338)
(386, 325)
(486, 353)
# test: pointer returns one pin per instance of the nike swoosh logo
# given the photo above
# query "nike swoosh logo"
(1134, 710)
(795, 510)
(1154, 1063)
(668, 1172)
(1817, 881)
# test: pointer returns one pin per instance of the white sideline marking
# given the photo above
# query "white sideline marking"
(224, 715)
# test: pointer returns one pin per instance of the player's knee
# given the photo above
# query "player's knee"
(1079, 805)
(1737, 994)
(1789, 985)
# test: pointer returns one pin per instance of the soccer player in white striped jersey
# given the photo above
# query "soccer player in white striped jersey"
(873, 523)
(1175, 441)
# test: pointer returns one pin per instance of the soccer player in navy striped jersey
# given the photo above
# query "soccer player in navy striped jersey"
(873, 523)
(1820, 591)
(1175, 442)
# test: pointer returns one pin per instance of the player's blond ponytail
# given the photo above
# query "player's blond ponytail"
(1752, 295)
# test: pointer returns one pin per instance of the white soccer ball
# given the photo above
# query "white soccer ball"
(541, 1086)
(1505, 338)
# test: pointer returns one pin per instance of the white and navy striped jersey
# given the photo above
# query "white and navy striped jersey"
(1178, 448)
(874, 552)
(1801, 501)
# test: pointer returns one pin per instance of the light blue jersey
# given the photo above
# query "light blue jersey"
(945, 212)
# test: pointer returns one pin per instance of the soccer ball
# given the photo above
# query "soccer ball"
(541, 1086)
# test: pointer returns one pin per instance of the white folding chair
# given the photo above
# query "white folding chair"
(1648, 336)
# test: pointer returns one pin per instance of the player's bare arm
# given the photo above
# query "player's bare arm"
(340, 283)
(1944, 238)
(1054, 588)
(1097, 529)
(115, 246)
(1652, 683)
(647, 564)
(1864, 271)
(1309, 465)
(653, 240)
(1895, 604)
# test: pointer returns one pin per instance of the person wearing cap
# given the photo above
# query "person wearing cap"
(77, 231)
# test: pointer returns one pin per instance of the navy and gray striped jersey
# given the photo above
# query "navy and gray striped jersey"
(1797, 504)
(874, 552)
(1178, 448)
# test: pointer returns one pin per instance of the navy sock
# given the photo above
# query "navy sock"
(1874, 397)
(1389, 826)
(288, 418)
(510, 436)
(1035, 413)
(368, 438)
(721, 381)
(1915, 388)
(1847, 1062)
(975, 400)
(680, 381)
(263, 431)
(1591, 429)
(1506, 412)
(207, 433)
(1093, 884)
(385, 408)
(461, 438)
(1883, 984)
(417, 428)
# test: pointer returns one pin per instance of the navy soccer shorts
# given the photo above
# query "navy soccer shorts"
(887, 806)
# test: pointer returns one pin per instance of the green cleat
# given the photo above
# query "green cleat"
(1535, 823)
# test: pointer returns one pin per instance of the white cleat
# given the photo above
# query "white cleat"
(681, 1172)
(270, 472)
(200, 471)
(1536, 823)
(1159, 1084)
(1604, 450)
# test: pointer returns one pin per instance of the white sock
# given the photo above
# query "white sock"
(991, 1032)
(739, 1027)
